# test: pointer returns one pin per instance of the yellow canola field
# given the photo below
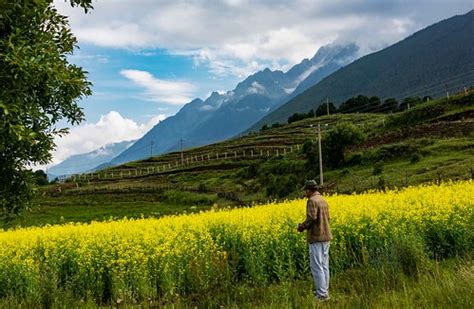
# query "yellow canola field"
(199, 253)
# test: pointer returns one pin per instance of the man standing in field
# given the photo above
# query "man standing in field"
(318, 236)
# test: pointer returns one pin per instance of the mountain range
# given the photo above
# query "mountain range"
(88, 161)
(430, 62)
(224, 115)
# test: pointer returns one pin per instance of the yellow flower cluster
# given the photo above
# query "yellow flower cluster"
(185, 254)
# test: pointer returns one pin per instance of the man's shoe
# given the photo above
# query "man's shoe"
(321, 299)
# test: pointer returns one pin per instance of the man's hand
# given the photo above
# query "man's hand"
(300, 228)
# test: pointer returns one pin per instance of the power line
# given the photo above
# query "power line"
(428, 87)
(411, 94)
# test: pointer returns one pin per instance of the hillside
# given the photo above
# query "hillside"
(433, 141)
(430, 62)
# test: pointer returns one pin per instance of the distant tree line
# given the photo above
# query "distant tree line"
(273, 126)
(356, 104)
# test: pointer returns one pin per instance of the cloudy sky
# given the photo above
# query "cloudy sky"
(146, 58)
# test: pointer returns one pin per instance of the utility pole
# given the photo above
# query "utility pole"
(182, 154)
(327, 105)
(321, 183)
(151, 148)
(321, 179)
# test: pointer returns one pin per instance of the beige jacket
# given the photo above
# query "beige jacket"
(317, 219)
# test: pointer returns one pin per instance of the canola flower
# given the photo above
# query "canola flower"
(198, 253)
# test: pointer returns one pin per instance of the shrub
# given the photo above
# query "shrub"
(416, 157)
(338, 140)
(378, 168)
(282, 186)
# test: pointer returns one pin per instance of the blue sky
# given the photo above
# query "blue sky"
(147, 58)
(113, 90)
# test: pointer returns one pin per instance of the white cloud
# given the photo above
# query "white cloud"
(256, 88)
(101, 152)
(111, 128)
(81, 58)
(207, 108)
(131, 35)
(239, 37)
(155, 120)
(159, 90)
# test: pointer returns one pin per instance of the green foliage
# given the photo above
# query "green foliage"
(278, 177)
(409, 103)
(265, 127)
(354, 104)
(311, 154)
(282, 186)
(446, 284)
(394, 151)
(41, 179)
(39, 88)
(300, 116)
(249, 172)
(188, 198)
(381, 183)
(413, 150)
(427, 111)
(16, 192)
(362, 104)
(389, 105)
(416, 157)
(202, 188)
(374, 105)
(378, 168)
(338, 140)
(323, 109)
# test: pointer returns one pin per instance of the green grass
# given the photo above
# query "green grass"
(447, 284)
(59, 210)
(451, 158)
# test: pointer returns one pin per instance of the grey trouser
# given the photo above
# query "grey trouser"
(319, 263)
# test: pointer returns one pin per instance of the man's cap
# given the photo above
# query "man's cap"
(310, 185)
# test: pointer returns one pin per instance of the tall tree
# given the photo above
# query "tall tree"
(409, 102)
(389, 105)
(38, 88)
(374, 105)
(323, 109)
(355, 104)
(336, 142)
